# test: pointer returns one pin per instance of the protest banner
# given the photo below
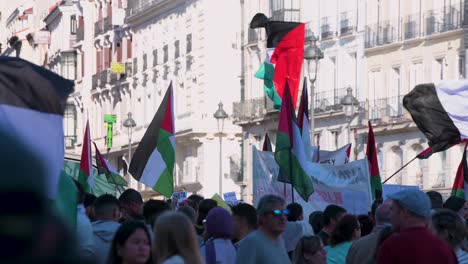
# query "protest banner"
(230, 198)
(345, 185)
(180, 197)
(334, 157)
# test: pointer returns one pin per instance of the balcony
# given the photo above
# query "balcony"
(70, 142)
(388, 110)
(80, 34)
(96, 80)
(329, 101)
(443, 20)
(128, 69)
(252, 109)
(382, 33)
(103, 78)
(108, 26)
(98, 28)
(347, 22)
(327, 28)
(412, 26)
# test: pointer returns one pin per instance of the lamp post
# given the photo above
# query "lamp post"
(349, 103)
(312, 55)
(220, 115)
(129, 123)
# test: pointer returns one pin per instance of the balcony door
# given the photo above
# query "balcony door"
(394, 96)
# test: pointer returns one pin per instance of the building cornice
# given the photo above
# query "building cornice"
(152, 10)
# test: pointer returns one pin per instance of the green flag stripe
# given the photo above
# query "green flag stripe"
(166, 148)
(165, 184)
(459, 193)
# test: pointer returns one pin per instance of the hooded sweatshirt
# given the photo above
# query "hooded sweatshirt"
(219, 248)
(103, 234)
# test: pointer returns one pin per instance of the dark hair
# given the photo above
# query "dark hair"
(454, 203)
(375, 205)
(332, 212)
(195, 198)
(366, 224)
(436, 199)
(246, 211)
(307, 244)
(445, 220)
(105, 205)
(295, 212)
(89, 199)
(316, 221)
(344, 230)
(204, 207)
(121, 236)
(81, 192)
(152, 209)
(129, 196)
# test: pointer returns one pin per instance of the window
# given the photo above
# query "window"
(461, 66)
(317, 139)
(166, 53)
(176, 49)
(145, 63)
(438, 70)
(285, 10)
(155, 57)
(135, 65)
(69, 65)
(73, 25)
(188, 63)
(335, 138)
(189, 43)
(69, 125)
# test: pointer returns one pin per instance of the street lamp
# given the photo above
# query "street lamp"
(349, 103)
(220, 115)
(130, 124)
(312, 55)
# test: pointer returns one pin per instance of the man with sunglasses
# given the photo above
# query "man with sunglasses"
(266, 245)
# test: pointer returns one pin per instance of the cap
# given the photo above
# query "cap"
(413, 200)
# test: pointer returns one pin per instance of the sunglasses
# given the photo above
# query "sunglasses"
(278, 212)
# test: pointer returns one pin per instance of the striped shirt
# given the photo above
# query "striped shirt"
(462, 256)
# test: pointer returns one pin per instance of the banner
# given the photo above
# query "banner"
(344, 185)
(335, 157)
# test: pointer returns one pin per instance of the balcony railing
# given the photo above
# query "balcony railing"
(98, 28)
(327, 28)
(383, 33)
(347, 22)
(96, 80)
(329, 100)
(104, 77)
(108, 24)
(70, 142)
(251, 109)
(80, 34)
(443, 19)
(391, 107)
(412, 26)
(137, 6)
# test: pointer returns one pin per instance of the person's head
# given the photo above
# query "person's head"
(152, 209)
(436, 199)
(219, 223)
(458, 205)
(309, 250)
(195, 198)
(347, 229)
(131, 244)
(131, 204)
(295, 212)
(383, 213)
(272, 214)
(316, 221)
(89, 205)
(204, 208)
(106, 207)
(366, 224)
(244, 219)
(175, 235)
(410, 208)
(449, 226)
(331, 215)
(189, 212)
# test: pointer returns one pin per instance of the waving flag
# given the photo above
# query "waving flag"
(104, 167)
(289, 152)
(267, 144)
(86, 177)
(154, 159)
(460, 185)
(32, 103)
(441, 112)
(371, 153)
(285, 54)
(303, 120)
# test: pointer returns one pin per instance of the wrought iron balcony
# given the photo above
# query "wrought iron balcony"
(98, 28)
(389, 109)
(347, 22)
(412, 26)
(104, 77)
(96, 80)
(108, 24)
(443, 19)
(327, 28)
(383, 33)
(329, 101)
(251, 109)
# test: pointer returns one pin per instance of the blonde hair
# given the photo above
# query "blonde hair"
(175, 235)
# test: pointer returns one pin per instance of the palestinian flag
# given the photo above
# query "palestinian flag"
(104, 167)
(32, 103)
(285, 54)
(460, 185)
(267, 144)
(371, 153)
(303, 120)
(85, 176)
(289, 152)
(154, 159)
(441, 112)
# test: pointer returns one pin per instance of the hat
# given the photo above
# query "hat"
(454, 203)
(219, 223)
(413, 200)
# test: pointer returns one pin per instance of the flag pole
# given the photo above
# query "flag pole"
(291, 176)
(400, 169)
